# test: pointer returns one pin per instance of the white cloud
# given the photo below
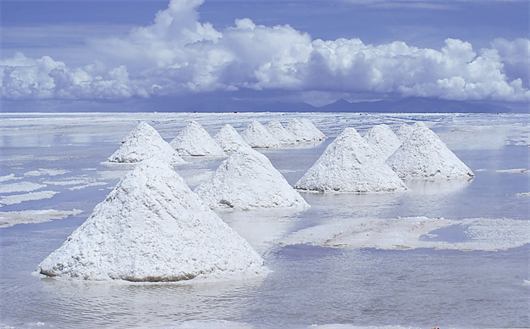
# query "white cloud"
(178, 54)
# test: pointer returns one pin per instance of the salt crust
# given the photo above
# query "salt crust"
(11, 218)
(276, 129)
(304, 130)
(8, 178)
(229, 139)
(152, 227)
(383, 141)
(350, 165)
(404, 132)
(425, 156)
(20, 187)
(256, 135)
(247, 180)
(407, 233)
(194, 140)
(32, 196)
(142, 143)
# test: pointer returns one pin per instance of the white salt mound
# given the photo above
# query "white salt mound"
(383, 141)
(142, 143)
(276, 129)
(350, 165)
(404, 132)
(425, 156)
(152, 227)
(247, 180)
(229, 139)
(304, 130)
(194, 140)
(256, 135)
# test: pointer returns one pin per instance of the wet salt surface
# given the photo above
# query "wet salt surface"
(310, 284)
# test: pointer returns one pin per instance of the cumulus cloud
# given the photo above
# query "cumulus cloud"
(179, 54)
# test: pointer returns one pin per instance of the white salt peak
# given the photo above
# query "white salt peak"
(229, 139)
(152, 227)
(256, 135)
(305, 131)
(248, 180)
(383, 141)
(276, 129)
(350, 165)
(194, 140)
(404, 132)
(142, 143)
(425, 155)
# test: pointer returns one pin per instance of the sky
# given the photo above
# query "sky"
(128, 55)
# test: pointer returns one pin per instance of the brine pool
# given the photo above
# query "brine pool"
(52, 174)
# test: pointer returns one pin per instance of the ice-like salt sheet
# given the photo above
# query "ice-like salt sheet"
(152, 227)
(276, 129)
(194, 140)
(196, 324)
(142, 143)
(383, 141)
(11, 218)
(414, 232)
(513, 171)
(8, 178)
(33, 196)
(350, 165)
(229, 139)
(256, 135)
(423, 155)
(91, 184)
(45, 172)
(20, 187)
(247, 180)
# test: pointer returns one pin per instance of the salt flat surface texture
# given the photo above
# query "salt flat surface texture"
(404, 132)
(424, 155)
(247, 180)
(383, 141)
(142, 143)
(194, 140)
(276, 129)
(152, 227)
(350, 165)
(256, 135)
(229, 139)
(304, 130)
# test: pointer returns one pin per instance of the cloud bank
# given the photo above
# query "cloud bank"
(178, 55)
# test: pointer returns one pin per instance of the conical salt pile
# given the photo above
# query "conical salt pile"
(404, 132)
(383, 141)
(193, 140)
(229, 139)
(142, 143)
(256, 135)
(425, 155)
(350, 165)
(247, 180)
(305, 131)
(276, 129)
(152, 227)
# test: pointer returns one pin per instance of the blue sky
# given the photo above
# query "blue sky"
(107, 55)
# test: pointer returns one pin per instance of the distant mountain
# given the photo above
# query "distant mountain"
(415, 105)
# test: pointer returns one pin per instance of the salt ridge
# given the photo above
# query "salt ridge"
(152, 227)
(142, 143)
(425, 156)
(194, 140)
(350, 165)
(247, 180)
(257, 136)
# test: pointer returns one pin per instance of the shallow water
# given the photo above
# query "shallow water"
(310, 284)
